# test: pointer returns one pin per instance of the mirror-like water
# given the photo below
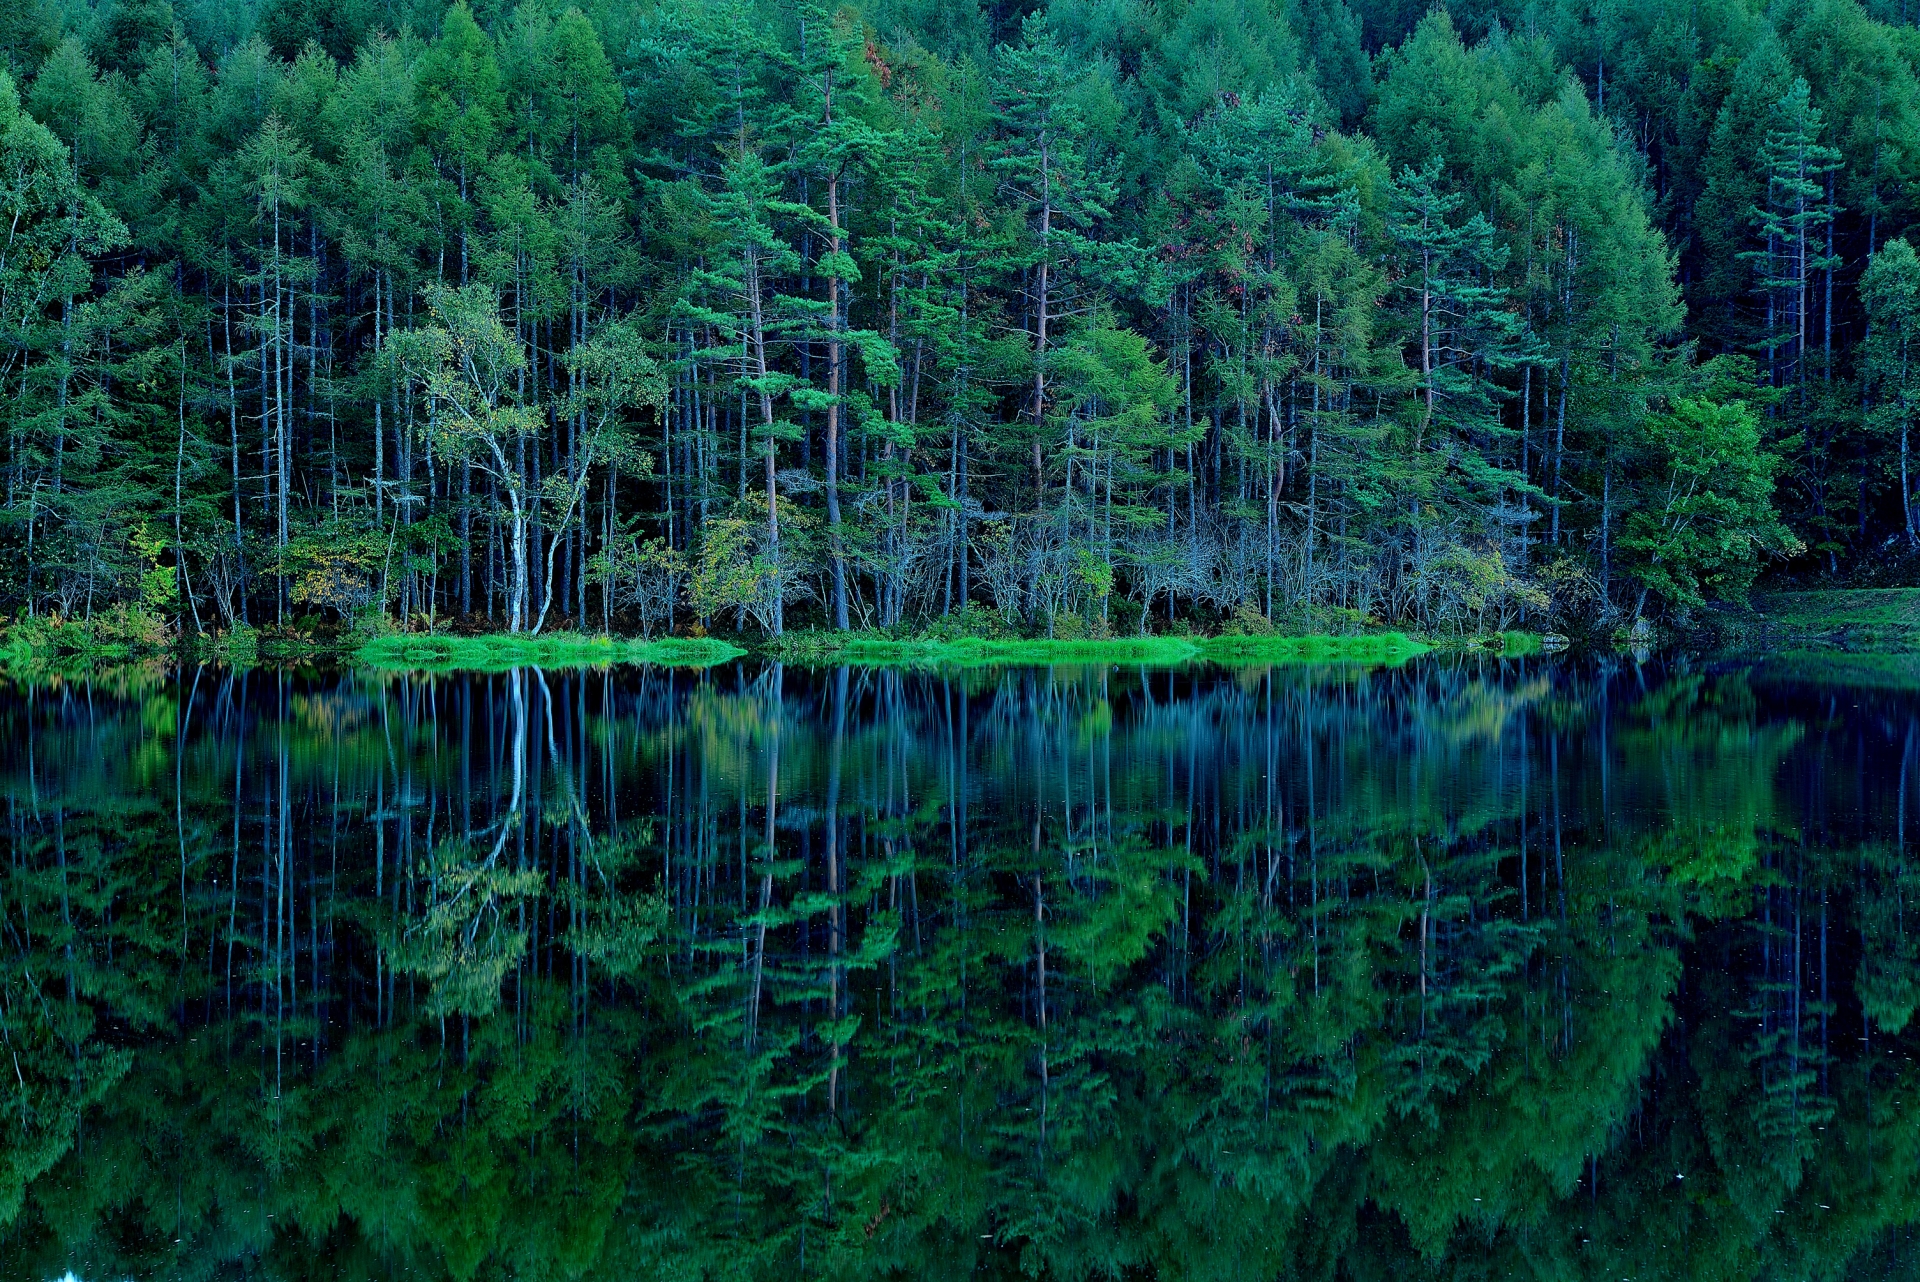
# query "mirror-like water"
(1467, 969)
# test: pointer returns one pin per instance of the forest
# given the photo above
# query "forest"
(1082, 318)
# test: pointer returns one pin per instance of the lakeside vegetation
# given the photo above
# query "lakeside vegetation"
(871, 649)
(500, 652)
(1858, 620)
(60, 649)
(78, 648)
(523, 317)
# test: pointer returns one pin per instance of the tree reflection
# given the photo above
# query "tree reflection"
(1457, 970)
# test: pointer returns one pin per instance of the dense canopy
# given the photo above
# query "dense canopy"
(1096, 315)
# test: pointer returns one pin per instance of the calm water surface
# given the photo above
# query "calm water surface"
(1468, 969)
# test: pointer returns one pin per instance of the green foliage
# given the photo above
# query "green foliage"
(1890, 362)
(1076, 311)
(1706, 513)
(118, 632)
(236, 647)
(735, 573)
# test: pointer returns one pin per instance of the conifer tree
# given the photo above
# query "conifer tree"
(1890, 356)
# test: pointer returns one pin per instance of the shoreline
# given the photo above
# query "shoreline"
(497, 652)
(866, 650)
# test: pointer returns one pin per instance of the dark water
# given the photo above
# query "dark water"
(1469, 969)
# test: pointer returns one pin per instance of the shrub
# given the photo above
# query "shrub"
(1247, 621)
(985, 625)
(117, 631)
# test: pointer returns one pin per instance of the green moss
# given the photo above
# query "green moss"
(561, 650)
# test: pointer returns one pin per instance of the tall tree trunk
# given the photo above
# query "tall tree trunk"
(757, 355)
(836, 354)
(1041, 301)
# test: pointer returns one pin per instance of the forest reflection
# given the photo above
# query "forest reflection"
(1467, 969)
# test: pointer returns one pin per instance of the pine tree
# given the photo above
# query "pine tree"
(1047, 174)
(1791, 222)
(1890, 356)
(53, 225)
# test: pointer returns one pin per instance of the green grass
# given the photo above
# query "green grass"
(1382, 648)
(863, 649)
(1865, 619)
(870, 650)
(1887, 606)
(1514, 645)
(562, 650)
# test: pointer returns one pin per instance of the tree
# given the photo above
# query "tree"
(609, 375)
(457, 89)
(53, 225)
(1792, 220)
(1890, 356)
(1704, 515)
(469, 365)
(1462, 335)
(746, 316)
(1045, 170)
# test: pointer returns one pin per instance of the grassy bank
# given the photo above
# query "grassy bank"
(866, 649)
(34, 658)
(1378, 648)
(1880, 620)
(562, 650)
(41, 648)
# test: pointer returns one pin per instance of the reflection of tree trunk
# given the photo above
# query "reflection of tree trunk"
(380, 969)
(756, 340)
(1426, 910)
(283, 846)
(766, 880)
(179, 805)
(1526, 761)
(1823, 992)
(1906, 756)
(1040, 959)
(836, 356)
(233, 878)
(1313, 846)
(517, 702)
(1559, 876)
(759, 955)
(836, 911)
(1559, 866)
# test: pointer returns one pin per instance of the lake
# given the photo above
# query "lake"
(1467, 968)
